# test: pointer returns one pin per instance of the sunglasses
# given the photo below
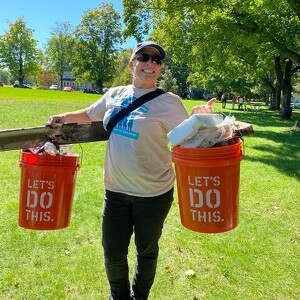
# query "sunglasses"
(143, 57)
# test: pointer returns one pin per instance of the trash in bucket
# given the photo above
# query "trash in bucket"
(47, 188)
(208, 186)
(202, 130)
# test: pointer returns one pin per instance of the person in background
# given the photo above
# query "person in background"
(224, 100)
(240, 102)
(138, 173)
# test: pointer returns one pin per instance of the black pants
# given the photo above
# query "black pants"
(123, 215)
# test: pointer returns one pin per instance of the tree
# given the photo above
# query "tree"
(60, 49)
(178, 73)
(4, 76)
(123, 74)
(18, 51)
(97, 38)
(227, 44)
(46, 78)
(168, 82)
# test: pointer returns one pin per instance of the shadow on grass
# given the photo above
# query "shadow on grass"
(266, 118)
(285, 157)
(283, 151)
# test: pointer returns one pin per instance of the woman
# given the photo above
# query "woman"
(138, 174)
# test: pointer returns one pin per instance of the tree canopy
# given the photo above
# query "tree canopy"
(60, 49)
(97, 39)
(227, 45)
(19, 52)
(250, 47)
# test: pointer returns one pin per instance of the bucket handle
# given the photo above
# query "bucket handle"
(243, 147)
(240, 136)
(75, 138)
(81, 157)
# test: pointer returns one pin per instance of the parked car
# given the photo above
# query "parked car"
(68, 89)
(53, 87)
(24, 86)
(90, 91)
(297, 105)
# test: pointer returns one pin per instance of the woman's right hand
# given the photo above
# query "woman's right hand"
(204, 109)
(77, 116)
(56, 121)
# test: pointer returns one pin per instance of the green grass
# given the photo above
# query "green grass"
(257, 260)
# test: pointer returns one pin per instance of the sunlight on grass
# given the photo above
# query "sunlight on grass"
(257, 260)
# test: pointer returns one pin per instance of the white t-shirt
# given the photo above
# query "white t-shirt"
(138, 160)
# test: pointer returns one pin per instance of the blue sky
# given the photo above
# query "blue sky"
(42, 16)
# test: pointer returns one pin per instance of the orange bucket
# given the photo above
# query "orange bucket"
(208, 186)
(47, 188)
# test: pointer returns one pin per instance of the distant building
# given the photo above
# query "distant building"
(70, 81)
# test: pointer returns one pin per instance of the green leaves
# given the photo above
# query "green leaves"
(97, 39)
(18, 51)
(222, 42)
(60, 48)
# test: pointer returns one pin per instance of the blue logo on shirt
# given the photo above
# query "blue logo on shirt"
(124, 127)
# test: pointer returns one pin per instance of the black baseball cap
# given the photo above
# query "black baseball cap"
(138, 48)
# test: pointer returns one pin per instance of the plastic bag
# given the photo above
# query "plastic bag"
(209, 136)
(189, 127)
(202, 130)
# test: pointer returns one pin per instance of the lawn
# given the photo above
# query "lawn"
(257, 260)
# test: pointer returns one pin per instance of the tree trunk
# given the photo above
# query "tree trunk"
(100, 85)
(269, 85)
(21, 73)
(61, 76)
(277, 96)
(284, 81)
(287, 86)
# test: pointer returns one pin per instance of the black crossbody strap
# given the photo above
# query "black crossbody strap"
(131, 107)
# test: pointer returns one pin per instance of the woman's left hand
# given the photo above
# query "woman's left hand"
(204, 109)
